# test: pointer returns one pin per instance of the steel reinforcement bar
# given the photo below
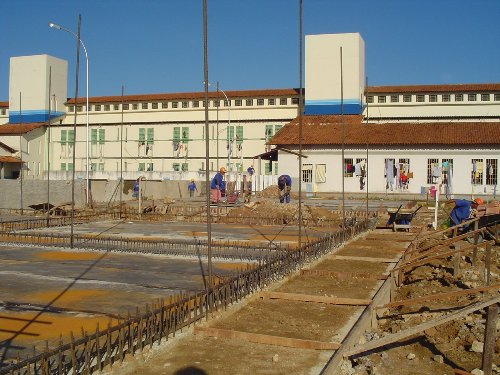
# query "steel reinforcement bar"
(104, 347)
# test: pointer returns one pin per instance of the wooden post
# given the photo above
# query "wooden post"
(476, 240)
(489, 339)
(487, 264)
(456, 265)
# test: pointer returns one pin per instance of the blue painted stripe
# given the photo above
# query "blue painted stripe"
(23, 117)
(347, 109)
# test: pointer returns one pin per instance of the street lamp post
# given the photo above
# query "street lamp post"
(58, 27)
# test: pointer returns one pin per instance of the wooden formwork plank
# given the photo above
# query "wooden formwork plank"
(267, 339)
(345, 275)
(364, 259)
(312, 298)
(420, 328)
(419, 300)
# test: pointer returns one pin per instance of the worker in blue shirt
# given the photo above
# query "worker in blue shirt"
(462, 209)
(218, 186)
(284, 186)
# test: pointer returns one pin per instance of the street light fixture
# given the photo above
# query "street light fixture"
(58, 27)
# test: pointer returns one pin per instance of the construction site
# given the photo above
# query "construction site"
(118, 290)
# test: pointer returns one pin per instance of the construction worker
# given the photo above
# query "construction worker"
(463, 209)
(284, 186)
(192, 188)
(217, 186)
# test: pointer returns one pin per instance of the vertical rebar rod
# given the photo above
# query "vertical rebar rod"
(121, 157)
(343, 142)
(300, 123)
(48, 150)
(74, 132)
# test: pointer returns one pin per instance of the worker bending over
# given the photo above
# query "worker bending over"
(464, 209)
(284, 186)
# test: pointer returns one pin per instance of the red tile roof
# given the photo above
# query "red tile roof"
(479, 87)
(10, 159)
(327, 131)
(13, 129)
(4, 104)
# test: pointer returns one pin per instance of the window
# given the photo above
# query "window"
(446, 97)
(4, 111)
(196, 104)
(63, 166)
(93, 166)
(142, 167)
(381, 98)
(149, 167)
(177, 134)
(459, 97)
(260, 101)
(185, 134)
(491, 171)
(142, 135)
(320, 173)
(164, 104)
(154, 105)
(369, 99)
(79, 108)
(485, 97)
(230, 133)
(283, 101)
(307, 173)
(269, 132)
(116, 107)
(106, 107)
(216, 103)
(472, 97)
(239, 134)
(69, 166)
(477, 172)
(433, 98)
(63, 137)
(71, 109)
(407, 98)
(420, 98)
(295, 100)
(101, 167)
(238, 102)
(432, 170)
(185, 104)
(71, 137)
(249, 102)
(176, 167)
(271, 101)
(175, 104)
(268, 168)
(102, 136)
(348, 167)
(497, 97)
(135, 106)
(151, 136)
(394, 98)
(185, 167)
(145, 106)
(97, 107)
(125, 107)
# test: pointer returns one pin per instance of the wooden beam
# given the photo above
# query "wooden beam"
(319, 299)
(419, 300)
(266, 339)
(364, 259)
(345, 275)
(420, 328)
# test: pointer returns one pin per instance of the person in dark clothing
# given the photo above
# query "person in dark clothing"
(284, 186)
(218, 185)
(462, 209)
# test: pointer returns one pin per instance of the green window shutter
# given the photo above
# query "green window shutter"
(239, 134)
(142, 135)
(93, 166)
(185, 134)
(70, 166)
(63, 165)
(151, 135)
(177, 134)
(267, 168)
(230, 133)
(276, 168)
(277, 128)
(141, 167)
(269, 132)
(63, 141)
(176, 167)
(94, 136)
(185, 167)
(71, 137)
(102, 136)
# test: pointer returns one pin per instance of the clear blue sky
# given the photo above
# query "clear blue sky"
(155, 46)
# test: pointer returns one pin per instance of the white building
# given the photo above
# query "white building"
(162, 136)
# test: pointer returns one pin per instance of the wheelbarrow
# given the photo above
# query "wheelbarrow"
(400, 218)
